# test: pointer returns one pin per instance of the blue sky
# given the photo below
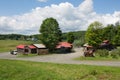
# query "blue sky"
(72, 15)
(15, 7)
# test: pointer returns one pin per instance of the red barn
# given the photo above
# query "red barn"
(64, 47)
(20, 48)
(35, 48)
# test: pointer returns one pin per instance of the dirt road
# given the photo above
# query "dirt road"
(61, 58)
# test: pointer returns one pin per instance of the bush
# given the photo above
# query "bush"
(115, 53)
(102, 53)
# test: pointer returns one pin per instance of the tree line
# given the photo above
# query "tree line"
(13, 37)
(77, 36)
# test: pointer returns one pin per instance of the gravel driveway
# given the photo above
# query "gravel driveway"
(61, 58)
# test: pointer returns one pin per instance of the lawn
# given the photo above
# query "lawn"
(26, 70)
(97, 58)
(7, 45)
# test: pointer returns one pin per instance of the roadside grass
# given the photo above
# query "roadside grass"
(7, 45)
(31, 55)
(97, 58)
(26, 55)
(26, 70)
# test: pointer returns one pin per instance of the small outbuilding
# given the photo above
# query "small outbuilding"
(30, 49)
(64, 47)
(20, 48)
(41, 49)
(106, 45)
(34, 48)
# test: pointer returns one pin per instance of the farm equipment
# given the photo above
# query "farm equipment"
(88, 51)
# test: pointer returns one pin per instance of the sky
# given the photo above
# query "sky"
(26, 16)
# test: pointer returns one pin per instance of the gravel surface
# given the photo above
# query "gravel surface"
(61, 58)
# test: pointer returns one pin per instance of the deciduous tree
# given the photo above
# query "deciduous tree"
(93, 34)
(50, 33)
(70, 37)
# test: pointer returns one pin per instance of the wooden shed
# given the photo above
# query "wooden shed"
(30, 49)
(41, 49)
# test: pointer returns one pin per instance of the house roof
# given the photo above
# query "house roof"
(31, 47)
(64, 44)
(39, 45)
(21, 46)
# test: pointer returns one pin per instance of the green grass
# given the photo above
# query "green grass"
(31, 55)
(26, 55)
(7, 45)
(97, 58)
(25, 70)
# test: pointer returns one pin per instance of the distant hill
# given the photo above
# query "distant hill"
(13, 37)
(78, 35)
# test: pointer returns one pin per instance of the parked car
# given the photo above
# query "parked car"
(13, 52)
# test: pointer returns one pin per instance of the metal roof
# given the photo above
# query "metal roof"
(31, 47)
(39, 45)
(21, 46)
(64, 44)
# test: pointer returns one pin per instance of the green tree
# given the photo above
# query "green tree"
(109, 32)
(70, 37)
(116, 39)
(50, 33)
(93, 34)
(22, 38)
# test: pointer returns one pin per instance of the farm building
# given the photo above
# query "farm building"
(30, 49)
(41, 49)
(35, 48)
(26, 49)
(106, 45)
(64, 47)
(20, 48)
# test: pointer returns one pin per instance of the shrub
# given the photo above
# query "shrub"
(102, 53)
(115, 53)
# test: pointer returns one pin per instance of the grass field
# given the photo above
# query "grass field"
(96, 58)
(7, 45)
(25, 70)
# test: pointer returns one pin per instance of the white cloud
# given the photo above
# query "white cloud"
(70, 18)
(42, 0)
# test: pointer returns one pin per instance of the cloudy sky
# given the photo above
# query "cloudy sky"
(26, 16)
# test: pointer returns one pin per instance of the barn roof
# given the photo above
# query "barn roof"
(39, 45)
(21, 46)
(64, 44)
(31, 47)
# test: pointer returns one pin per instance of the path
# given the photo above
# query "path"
(61, 58)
